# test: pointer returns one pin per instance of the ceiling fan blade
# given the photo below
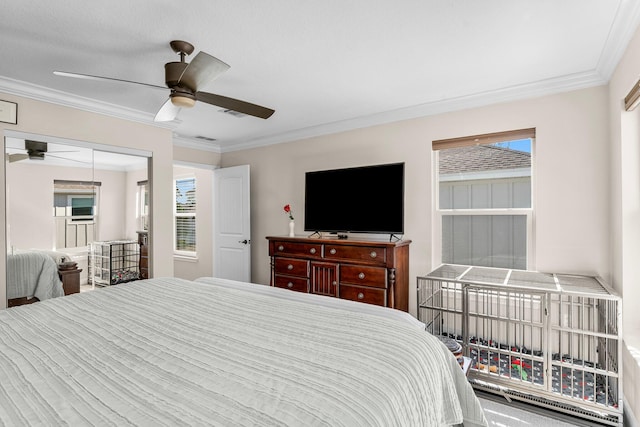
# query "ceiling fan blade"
(167, 112)
(99, 78)
(67, 159)
(203, 69)
(235, 105)
(16, 157)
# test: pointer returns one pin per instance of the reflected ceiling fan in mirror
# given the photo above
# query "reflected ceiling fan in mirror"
(36, 150)
(184, 80)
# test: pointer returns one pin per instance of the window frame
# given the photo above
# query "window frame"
(143, 206)
(179, 252)
(438, 213)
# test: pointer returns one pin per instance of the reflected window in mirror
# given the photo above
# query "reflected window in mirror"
(143, 205)
(75, 207)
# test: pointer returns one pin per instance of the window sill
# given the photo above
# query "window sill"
(185, 258)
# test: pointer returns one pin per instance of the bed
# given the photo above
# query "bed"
(168, 351)
(32, 276)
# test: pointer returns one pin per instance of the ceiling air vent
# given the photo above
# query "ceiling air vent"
(205, 138)
(233, 113)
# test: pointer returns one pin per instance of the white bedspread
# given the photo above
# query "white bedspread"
(175, 352)
(32, 274)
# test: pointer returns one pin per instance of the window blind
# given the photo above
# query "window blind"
(61, 183)
(633, 97)
(487, 138)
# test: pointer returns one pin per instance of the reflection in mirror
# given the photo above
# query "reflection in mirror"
(62, 199)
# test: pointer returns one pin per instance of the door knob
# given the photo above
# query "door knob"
(244, 242)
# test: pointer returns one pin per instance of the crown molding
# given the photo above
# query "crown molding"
(195, 144)
(508, 94)
(65, 99)
(623, 28)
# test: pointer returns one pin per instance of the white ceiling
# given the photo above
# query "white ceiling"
(324, 66)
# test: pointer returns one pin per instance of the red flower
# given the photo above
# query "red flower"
(287, 209)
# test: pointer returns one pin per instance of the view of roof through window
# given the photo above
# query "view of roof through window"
(479, 188)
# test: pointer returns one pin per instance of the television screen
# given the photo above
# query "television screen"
(367, 199)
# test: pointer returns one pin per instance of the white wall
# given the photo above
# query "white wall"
(197, 156)
(37, 117)
(570, 175)
(625, 216)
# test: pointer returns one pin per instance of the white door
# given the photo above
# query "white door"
(232, 226)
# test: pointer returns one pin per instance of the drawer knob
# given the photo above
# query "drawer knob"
(360, 295)
(290, 267)
(312, 250)
(334, 283)
(361, 276)
(373, 254)
(281, 248)
(332, 251)
(289, 285)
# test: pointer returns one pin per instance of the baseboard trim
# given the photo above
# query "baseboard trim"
(556, 415)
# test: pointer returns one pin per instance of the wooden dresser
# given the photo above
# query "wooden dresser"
(370, 271)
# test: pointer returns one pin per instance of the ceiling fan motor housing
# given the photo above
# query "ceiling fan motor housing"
(181, 95)
(35, 149)
(172, 72)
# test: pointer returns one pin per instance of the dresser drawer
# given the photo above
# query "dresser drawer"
(292, 283)
(279, 247)
(363, 294)
(363, 275)
(368, 254)
(291, 267)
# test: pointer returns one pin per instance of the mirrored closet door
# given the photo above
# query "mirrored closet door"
(62, 198)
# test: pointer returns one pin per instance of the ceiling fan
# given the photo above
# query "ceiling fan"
(36, 150)
(184, 79)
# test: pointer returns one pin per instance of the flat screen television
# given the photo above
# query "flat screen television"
(368, 199)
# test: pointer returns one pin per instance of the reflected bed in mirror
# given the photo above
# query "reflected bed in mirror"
(32, 276)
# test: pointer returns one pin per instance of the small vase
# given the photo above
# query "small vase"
(292, 225)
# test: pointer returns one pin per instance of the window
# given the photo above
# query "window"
(484, 204)
(75, 211)
(82, 207)
(185, 216)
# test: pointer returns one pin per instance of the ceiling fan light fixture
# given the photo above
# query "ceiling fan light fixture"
(183, 101)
